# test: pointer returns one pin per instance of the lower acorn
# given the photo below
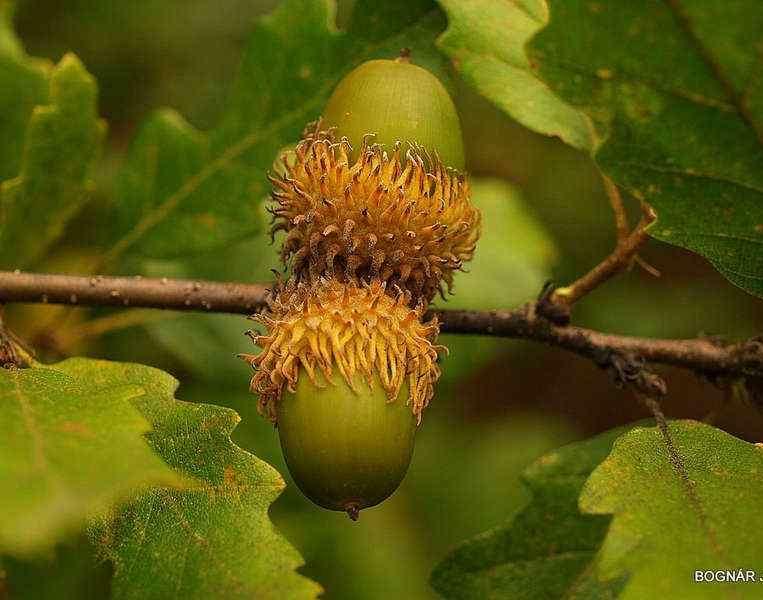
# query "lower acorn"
(345, 371)
(346, 449)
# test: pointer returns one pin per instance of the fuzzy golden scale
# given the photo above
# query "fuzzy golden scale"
(401, 217)
(355, 328)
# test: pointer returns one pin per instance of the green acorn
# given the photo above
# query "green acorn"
(345, 372)
(374, 190)
(369, 439)
(396, 101)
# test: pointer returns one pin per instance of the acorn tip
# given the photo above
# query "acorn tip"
(353, 510)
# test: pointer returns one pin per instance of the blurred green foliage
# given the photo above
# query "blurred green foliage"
(49, 191)
(71, 571)
(681, 113)
(500, 404)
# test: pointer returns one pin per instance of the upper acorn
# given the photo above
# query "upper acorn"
(374, 191)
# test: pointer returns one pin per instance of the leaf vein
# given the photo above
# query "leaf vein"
(685, 24)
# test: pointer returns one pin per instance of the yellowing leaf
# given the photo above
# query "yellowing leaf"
(67, 450)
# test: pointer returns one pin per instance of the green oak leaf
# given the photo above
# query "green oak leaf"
(486, 41)
(294, 58)
(63, 137)
(676, 91)
(546, 547)
(23, 85)
(68, 448)
(166, 158)
(669, 520)
(212, 540)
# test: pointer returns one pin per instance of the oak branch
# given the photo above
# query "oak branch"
(622, 355)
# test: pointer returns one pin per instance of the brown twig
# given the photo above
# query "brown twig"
(620, 354)
(621, 222)
(619, 260)
(622, 226)
(176, 294)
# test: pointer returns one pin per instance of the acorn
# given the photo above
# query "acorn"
(375, 190)
(345, 372)
(397, 101)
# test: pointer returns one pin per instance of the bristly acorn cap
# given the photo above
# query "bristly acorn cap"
(397, 215)
(354, 328)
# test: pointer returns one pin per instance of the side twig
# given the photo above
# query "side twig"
(621, 222)
(622, 226)
(556, 303)
(619, 260)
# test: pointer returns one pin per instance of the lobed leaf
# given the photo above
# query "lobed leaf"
(486, 41)
(62, 138)
(676, 91)
(694, 507)
(211, 540)
(294, 58)
(68, 448)
(543, 550)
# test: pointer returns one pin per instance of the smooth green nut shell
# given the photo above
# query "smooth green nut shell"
(345, 450)
(397, 101)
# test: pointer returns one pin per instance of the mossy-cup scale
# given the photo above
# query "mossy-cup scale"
(377, 219)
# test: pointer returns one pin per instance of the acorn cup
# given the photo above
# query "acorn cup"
(377, 218)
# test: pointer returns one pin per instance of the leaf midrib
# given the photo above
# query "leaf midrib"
(714, 66)
(232, 152)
